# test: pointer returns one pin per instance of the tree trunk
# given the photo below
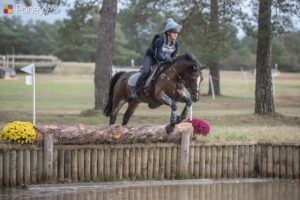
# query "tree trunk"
(104, 52)
(214, 72)
(264, 102)
(214, 69)
(117, 134)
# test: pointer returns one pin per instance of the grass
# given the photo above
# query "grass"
(66, 97)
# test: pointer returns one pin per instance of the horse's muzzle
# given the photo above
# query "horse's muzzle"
(195, 97)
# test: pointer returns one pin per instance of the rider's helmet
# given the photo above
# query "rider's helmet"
(172, 26)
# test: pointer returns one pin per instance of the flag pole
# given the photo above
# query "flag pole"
(33, 95)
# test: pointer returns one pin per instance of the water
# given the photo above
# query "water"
(237, 189)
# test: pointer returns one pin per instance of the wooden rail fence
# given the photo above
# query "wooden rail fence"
(31, 164)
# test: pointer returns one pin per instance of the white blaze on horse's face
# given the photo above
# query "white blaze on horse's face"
(198, 82)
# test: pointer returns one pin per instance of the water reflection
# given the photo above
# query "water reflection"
(167, 190)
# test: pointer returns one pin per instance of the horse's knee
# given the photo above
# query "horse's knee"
(173, 106)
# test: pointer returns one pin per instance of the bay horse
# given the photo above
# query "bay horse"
(167, 89)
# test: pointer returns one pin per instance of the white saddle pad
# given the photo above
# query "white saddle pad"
(133, 79)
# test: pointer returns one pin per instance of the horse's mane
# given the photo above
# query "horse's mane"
(190, 57)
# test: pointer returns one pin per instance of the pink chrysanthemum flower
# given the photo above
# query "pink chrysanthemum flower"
(200, 126)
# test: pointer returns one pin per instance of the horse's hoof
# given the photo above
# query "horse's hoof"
(178, 119)
(170, 128)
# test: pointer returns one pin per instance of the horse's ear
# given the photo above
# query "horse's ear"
(202, 66)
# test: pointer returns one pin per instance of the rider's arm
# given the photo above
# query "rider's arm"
(158, 44)
(174, 54)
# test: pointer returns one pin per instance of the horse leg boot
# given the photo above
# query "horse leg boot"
(186, 109)
(173, 119)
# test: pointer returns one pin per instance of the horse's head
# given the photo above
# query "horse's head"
(190, 70)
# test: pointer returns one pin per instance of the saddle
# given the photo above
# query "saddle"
(155, 72)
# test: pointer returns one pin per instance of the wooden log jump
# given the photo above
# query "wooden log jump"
(59, 158)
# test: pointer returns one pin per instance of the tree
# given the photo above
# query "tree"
(264, 102)
(104, 52)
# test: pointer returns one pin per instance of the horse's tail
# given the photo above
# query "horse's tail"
(108, 108)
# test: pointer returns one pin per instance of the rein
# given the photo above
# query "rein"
(178, 76)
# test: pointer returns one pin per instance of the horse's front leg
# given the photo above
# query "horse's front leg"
(173, 119)
(186, 109)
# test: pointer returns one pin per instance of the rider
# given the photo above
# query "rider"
(163, 48)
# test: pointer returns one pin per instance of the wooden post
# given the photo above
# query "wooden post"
(213, 162)
(55, 164)
(219, 161)
(81, 164)
(270, 161)
(107, 155)
(138, 162)
(150, 163)
(289, 159)
(246, 161)
(120, 163)
(173, 162)
(202, 162)
(276, 162)
(296, 155)
(94, 164)
(12, 167)
(196, 161)
(241, 162)
(208, 162)
(68, 164)
(162, 160)
(1, 168)
(87, 164)
(125, 162)
(6, 168)
(144, 163)
(20, 167)
(264, 159)
(224, 161)
(235, 162)
(132, 163)
(252, 161)
(191, 162)
(184, 154)
(282, 153)
(48, 156)
(156, 158)
(33, 166)
(40, 163)
(61, 163)
(168, 163)
(230, 162)
(100, 163)
(27, 166)
(74, 172)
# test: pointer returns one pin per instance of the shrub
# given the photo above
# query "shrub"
(19, 132)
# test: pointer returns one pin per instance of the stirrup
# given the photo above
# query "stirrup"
(134, 95)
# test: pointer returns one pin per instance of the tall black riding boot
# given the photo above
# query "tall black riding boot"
(134, 94)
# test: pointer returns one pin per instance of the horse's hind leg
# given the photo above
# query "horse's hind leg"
(116, 107)
(130, 110)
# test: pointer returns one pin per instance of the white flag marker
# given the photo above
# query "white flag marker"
(30, 80)
(28, 69)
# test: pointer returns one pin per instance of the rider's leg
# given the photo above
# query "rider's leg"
(148, 61)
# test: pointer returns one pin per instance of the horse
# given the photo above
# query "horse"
(167, 89)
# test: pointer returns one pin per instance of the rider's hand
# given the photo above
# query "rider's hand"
(169, 60)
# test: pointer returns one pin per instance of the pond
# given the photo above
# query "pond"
(203, 189)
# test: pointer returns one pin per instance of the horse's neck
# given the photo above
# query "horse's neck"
(179, 69)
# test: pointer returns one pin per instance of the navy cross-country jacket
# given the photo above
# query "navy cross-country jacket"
(160, 50)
